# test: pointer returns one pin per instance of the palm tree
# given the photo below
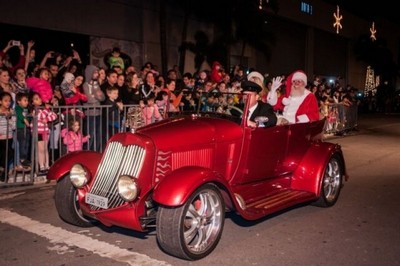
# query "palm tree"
(234, 21)
(378, 56)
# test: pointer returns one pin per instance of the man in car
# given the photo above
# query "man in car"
(260, 114)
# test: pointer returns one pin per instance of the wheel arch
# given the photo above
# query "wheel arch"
(309, 174)
(62, 166)
(177, 187)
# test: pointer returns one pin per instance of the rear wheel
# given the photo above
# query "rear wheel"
(193, 230)
(331, 183)
(66, 199)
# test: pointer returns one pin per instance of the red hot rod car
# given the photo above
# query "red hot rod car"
(184, 173)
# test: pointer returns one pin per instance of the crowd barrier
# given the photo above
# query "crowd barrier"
(96, 122)
(341, 119)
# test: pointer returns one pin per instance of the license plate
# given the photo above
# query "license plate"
(96, 200)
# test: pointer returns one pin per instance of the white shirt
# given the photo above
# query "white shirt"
(251, 110)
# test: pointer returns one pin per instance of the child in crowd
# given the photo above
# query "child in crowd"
(115, 59)
(150, 111)
(73, 137)
(41, 116)
(41, 85)
(70, 89)
(114, 112)
(23, 130)
(7, 125)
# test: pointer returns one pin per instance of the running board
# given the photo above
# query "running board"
(279, 201)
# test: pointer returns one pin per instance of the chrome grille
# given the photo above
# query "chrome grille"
(118, 160)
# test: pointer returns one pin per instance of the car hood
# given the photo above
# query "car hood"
(190, 131)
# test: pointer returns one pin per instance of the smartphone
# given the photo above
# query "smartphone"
(16, 43)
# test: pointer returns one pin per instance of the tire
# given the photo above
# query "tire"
(67, 204)
(193, 230)
(331, 183)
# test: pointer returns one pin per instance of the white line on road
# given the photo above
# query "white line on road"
(12, 195)
(59, 235)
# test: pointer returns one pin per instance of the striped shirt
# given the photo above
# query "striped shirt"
(43, 117)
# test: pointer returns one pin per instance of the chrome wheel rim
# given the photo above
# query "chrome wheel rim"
(203, 221)
(332, 180)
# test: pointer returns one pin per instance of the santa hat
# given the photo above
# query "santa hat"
(296, 75)
(255, 74)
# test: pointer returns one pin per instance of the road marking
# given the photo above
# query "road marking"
(11, 195)
(59, 235)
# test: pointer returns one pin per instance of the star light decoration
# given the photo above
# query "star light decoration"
(337, 18)
(373, 32)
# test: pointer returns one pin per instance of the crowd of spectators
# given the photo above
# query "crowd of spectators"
(63, 80)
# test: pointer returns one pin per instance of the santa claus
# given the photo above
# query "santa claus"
(300, 105)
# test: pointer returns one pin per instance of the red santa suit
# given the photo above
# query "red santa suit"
(302, 108)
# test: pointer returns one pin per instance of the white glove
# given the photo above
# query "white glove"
(276, 83)
(286, 101)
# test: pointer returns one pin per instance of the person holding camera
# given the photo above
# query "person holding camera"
(5, 57)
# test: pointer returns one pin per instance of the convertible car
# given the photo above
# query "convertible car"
(181, 175)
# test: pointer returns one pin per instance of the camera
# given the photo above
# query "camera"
(16, 43)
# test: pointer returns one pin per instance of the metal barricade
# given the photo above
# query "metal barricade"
(341, 119)
(94, 121)
(12, 173)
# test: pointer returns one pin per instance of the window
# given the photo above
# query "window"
(306, 8)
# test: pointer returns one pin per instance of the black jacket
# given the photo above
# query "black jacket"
(265, 109)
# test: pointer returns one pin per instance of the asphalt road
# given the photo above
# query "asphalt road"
(363, 228)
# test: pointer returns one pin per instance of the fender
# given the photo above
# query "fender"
(175, 188)
(61, 167)
(310, 171)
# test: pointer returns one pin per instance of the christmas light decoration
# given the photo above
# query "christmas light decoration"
(373, 32)
(337, 18)
(370, 85)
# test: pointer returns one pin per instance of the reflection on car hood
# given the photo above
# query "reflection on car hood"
(191, 131)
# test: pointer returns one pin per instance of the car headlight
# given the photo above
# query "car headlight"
(78, 176)
(128, 188)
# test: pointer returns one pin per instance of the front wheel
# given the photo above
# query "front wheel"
(66, 199)
(331, 183)
(193, 230)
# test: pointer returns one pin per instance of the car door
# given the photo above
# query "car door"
(266, 148)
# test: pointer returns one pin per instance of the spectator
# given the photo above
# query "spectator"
(150, 112)
(114, 112)
(111, 80)
(5, 84)
(130, 92)
(115, 59)
(19, 81)
(22, 128)
(4, 57)
(102, 76)
(41, 85)
(94, 96)
(72, 136)
(216, 72)
(7, 126)
(42, 116)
